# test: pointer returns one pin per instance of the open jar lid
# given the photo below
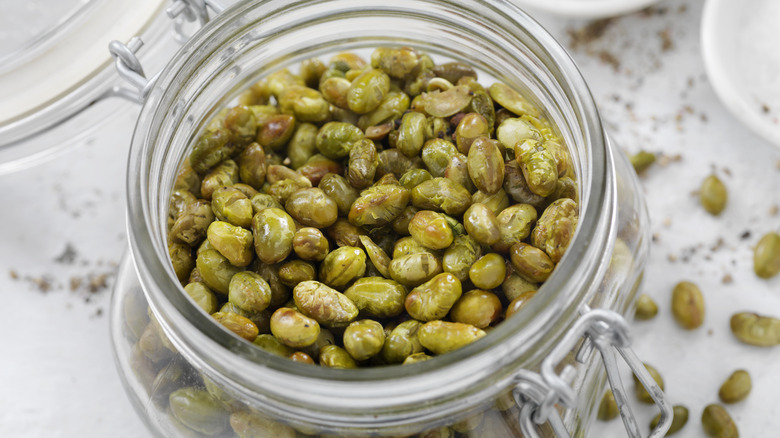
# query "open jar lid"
(55, 63)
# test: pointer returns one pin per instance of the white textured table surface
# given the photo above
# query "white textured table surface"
(62, 233)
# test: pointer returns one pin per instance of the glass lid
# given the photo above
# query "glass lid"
(27, 27)
(55, 62)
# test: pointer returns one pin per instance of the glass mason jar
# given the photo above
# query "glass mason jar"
(539, 372)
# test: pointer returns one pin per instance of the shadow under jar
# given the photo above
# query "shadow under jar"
(508, 383)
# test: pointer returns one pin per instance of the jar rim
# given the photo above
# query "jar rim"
(151, 257)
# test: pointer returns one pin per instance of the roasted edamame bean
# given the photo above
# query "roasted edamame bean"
(688, 305)
(736, 387)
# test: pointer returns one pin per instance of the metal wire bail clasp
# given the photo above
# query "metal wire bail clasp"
(127, 64)
(191, 10)
(539, 393)
(129, 68)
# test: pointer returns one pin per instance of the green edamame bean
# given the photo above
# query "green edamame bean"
(338, 189)
(390, 109)
(310, 244)
(641, 161)
(414, 177)
(250, 425)
(233, 242)
(231, 205)
(538, 166)
(755, 329)
(367, 91)
(437, 154)
(324, 304)
(514, 225)
(275, 131)
(640, 391)
(333, 356)
(481, 224)
(516, 186)
(343, 265)
(679, 419)
(271, 344)
(192, 224)
(238, 324)
(510, 99)
(335, 90)
(203, 296)
(688, 305)
(441, 337)
(402, 342)
(717, 422)
(431, 230)
(249, 291)
(416, 357)
(412, 133)
(645, 308)
(212, 148)
(306, 104)
(766, 256)
(736, 388)
(713, 195)
(486, 165)
(295, 271)
(519, 302)
(216, 270)
(478, 308)
(414, 269)
(302, 144)
(447, 103)
(273, 231)
(312, 208)
(555, 228)
(530, 262)
(396, 62)
(496, 202)
(488, 272)
(335, 139)
(379, 205)
(458, 171)
(181, 259)
(223, 174)
(433, 299)
(460, 256)
(377, 297)
(198, 410)
(363, 161)
(293, 328)
(364, 339)
(471, 126)
(441, 194)
(608, 408)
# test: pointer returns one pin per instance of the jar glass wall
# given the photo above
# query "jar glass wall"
(469, 390)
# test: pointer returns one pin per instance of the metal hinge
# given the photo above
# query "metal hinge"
(538, 393)
(126, 62)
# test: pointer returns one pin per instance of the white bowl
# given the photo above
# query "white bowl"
(585, 8)
(737, 42)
